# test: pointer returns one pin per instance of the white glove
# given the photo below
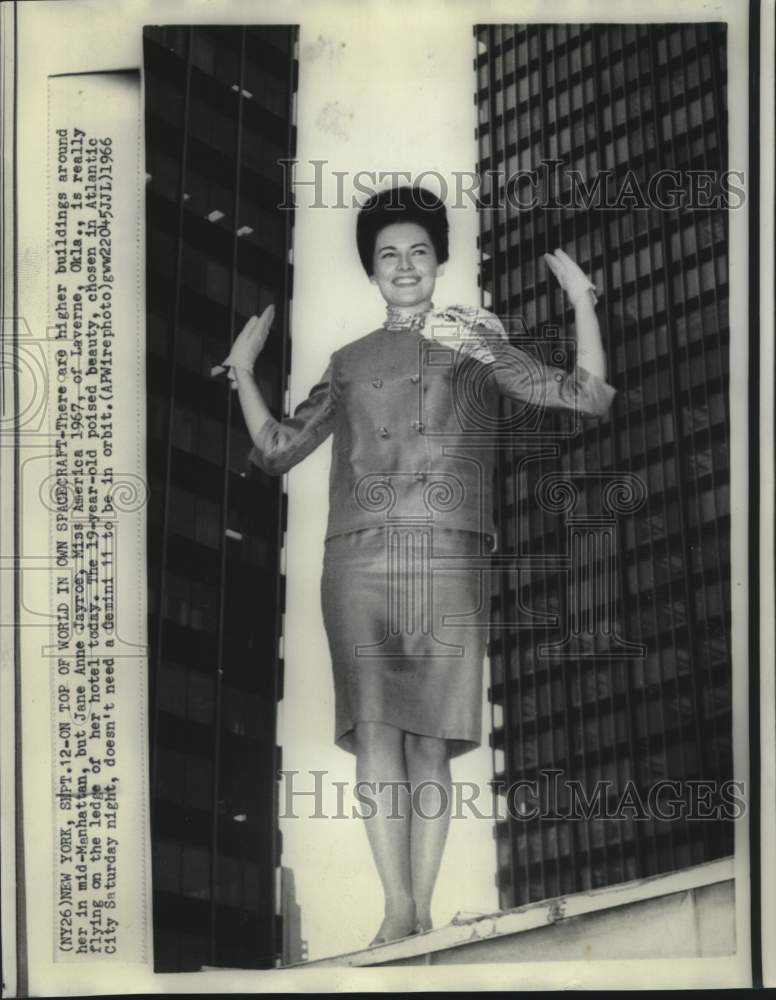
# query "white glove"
(248, 344)
(571, 278)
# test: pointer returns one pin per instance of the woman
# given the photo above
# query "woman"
(413, 409)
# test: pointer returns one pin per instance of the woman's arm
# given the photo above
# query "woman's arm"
(580, 291)
(522, 377)
(239, 365)
(590, 350)
(255, 410)
(277, 444)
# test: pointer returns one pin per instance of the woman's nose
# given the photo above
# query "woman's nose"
(405, 264)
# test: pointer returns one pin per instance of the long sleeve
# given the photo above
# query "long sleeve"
(521, 376)
(280, 444)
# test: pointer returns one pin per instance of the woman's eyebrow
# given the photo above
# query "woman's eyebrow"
(390, 246)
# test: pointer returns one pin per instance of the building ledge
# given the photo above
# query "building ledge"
(684, 913)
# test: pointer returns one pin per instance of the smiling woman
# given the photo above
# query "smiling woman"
(413, 409)
(404, 258)
(405, 266)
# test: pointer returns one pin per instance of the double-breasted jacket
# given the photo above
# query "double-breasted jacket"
(416, 423)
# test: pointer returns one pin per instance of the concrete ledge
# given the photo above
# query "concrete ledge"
(682, 914)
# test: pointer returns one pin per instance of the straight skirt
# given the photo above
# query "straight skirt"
(406, 614)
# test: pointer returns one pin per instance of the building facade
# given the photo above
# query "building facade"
(610, 650)
(219, 116)
(294, 948)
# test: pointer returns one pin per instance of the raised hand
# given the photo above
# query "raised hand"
(571, 278)
(247, 346)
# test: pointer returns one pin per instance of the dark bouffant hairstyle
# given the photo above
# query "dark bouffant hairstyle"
(401, 204)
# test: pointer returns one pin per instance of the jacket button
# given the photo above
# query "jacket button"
(415, 379)
(559, 377)
(377, 383)
(383, 432)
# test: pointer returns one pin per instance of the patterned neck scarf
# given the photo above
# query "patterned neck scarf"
(396, 320)
(471, 330)
(463, 318)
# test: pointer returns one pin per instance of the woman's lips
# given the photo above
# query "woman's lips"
(406, 281)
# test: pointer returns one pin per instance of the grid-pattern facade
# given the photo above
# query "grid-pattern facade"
(611, 649)
(219, 117)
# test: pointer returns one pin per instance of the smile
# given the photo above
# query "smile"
(406, 281)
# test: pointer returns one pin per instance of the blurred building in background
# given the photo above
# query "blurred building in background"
(611, 649)
(219, 116)
(294, 948)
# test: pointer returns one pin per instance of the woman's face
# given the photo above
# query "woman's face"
(405, 265)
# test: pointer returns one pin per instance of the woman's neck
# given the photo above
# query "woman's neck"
(417, 307)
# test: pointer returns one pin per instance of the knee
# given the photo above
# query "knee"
(374, 736)
(427, 753)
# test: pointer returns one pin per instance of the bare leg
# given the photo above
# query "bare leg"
(380, 760)
(427, 761)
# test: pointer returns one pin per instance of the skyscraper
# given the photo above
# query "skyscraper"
(294, 949)
(219, 117)
(611, 648)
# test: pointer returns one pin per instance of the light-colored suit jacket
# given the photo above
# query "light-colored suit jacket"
(416, 420)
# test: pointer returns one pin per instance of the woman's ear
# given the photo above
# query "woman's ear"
(373, 279)
(440, 270)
